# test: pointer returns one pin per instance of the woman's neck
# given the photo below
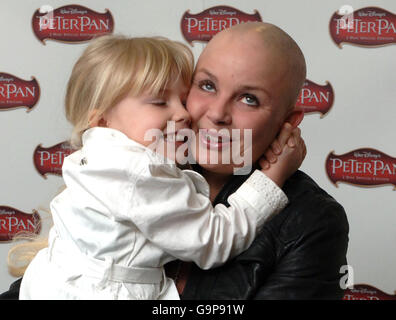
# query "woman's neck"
(216, 182)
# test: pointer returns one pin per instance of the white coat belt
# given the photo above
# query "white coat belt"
(106, 269)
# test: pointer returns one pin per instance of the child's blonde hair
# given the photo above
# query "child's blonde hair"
(109, 69)
(112, 67)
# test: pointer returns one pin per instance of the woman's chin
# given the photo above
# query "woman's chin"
(215, 163)
(225, 169)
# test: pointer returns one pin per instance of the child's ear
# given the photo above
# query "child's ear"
(96, 120)
(295, 117)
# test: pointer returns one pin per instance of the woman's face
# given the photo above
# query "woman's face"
(236, 85)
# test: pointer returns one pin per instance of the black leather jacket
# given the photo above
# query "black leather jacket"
(297, 255)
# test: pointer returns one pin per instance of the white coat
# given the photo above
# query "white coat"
(126, 211)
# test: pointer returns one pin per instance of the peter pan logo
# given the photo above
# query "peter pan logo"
(11, 90)
(367, 27)
(50, 160)
(366, 167)
(4, 79)
(203, 26)
(353, 166)
(366, 292)
(13, 221)
(78, 24)
(371, 14)
(366, 154)
(71, 23)
(73, 11)
(222, 12)
(379, 26)
(316, 98)
(15, 92)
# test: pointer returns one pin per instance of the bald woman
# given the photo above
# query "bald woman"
(249, 77)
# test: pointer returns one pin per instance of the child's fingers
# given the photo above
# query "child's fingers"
(276, 147)
(291, 142)
(294, 138)
(296, 132)
(270, 156)
(264, 164)
(284, 134)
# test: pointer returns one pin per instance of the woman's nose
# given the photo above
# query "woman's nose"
(219, 113)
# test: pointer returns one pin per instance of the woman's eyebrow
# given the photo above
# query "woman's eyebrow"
(210, 75)
(255, 88)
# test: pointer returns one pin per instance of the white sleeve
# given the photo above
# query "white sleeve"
(169, 211)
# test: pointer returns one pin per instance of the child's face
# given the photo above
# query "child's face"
(135, 116)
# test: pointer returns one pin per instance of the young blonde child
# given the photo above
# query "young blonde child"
(127, 210)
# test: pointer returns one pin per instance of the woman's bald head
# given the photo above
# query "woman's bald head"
(271, 38)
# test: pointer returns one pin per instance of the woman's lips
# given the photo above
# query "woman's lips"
(214, 140)
(210, 138)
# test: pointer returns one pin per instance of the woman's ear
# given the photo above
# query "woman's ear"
(96, 120)
(295, 117)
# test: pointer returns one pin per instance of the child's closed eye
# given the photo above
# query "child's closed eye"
(159, 103)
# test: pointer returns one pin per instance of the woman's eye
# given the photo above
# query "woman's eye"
(207, 86)
(250, 100)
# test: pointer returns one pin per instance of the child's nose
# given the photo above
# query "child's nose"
(181, 114)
